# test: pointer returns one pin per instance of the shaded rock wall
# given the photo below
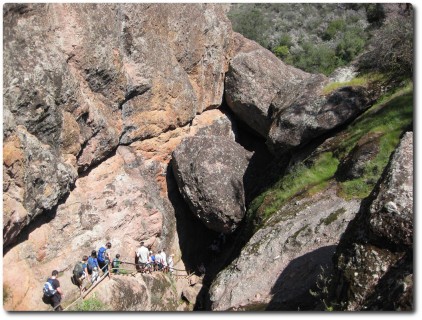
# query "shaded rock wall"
(374, 261)
(282, 260)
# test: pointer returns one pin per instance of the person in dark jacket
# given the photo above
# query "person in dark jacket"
(55, 299)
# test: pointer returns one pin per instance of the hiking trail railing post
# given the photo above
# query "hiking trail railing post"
(107, 273)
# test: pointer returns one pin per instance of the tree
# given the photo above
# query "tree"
(351, 44)
(251, 24)
(392, 48)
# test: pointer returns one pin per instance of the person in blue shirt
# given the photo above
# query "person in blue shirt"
(93, 267)
(104, 257)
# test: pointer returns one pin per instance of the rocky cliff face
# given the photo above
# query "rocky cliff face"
(96, 97)
(374, 261)
(111, 75)
(282, 260)
(111, 109)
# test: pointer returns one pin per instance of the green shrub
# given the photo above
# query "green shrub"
(375, 13)
(91, 304)
(281, 51)
(350, 46)
(392, 49)
(333, 28)
(285, 40)
(320, 58)
(251, 23)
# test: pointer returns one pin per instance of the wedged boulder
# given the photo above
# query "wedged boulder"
(283, 104)
(312, 114)
(157, 151)
(254, 78)
(281, 262)
(209, 172)
(374, 262)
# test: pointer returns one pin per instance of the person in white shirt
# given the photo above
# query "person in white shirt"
(164, 260)
(142, 254)
(171, 263)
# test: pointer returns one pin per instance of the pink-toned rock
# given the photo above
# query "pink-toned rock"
(116, 202)
(82, 79)
(157, 151)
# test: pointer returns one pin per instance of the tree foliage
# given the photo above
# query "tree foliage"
(321, 37)
(314, 37)
(251, 24)
(392, 48)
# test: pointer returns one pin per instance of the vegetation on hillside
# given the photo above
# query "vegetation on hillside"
(319, 38)
(388, 118)
(90, 304)
(378, 39)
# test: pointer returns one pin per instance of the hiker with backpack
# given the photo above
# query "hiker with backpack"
(104, 258)
(115, 265)
(80, 272)
(52, 292)
(93, 267)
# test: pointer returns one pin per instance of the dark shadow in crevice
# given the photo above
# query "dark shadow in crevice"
(194, 237)
(392, 293)
(291, 291)
(264, 168)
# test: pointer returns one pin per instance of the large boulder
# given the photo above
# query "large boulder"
(157, 151)
(254, 78)
(281, 262)
(209, 171)
(283, 104)
(374, 261)
(312, 114)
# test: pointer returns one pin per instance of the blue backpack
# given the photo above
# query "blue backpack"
(48, 288)
(101, 254)
(91, 263)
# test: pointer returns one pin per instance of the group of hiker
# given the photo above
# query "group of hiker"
(147, 261)
(88, 270)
